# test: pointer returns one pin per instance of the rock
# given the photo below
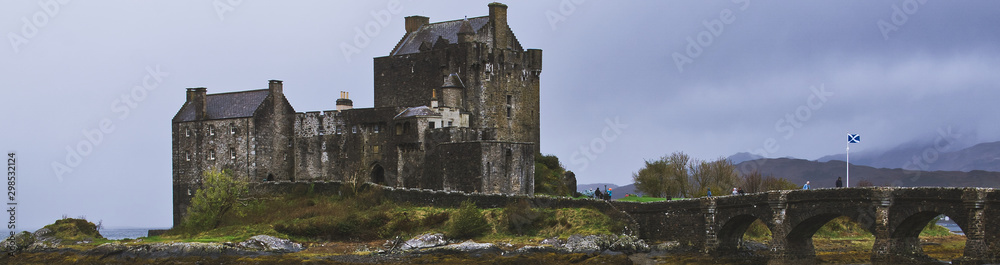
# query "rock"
(467, 247)
(270, 244)
(582, 244)
(424, 241)
(555, 242)
(622, 243)
(528, 250)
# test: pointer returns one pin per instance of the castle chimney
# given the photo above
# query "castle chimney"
(196, 97)
(451, 91)
(434, 98)
(498, 18)
(344, 102)
(413, 23)
(274, 86)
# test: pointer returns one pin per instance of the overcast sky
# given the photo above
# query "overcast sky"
(622, 81)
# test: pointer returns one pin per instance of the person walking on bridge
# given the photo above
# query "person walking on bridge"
(806, 187)
(840, 182)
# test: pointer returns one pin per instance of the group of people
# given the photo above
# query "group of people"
(603, 194)
(840, 184)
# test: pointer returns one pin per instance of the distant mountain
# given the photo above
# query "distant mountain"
(742, 157)
(824, 174)
(583, 187)
(928, 157)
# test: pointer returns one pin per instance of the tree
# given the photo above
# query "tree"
(667, 176)
(755, 182)
(550, 176)
(219, 194)
(719, 175)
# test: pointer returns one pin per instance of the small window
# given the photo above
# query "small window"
(232, 153)
(211, 129)
(211, 155)
(187, 132)
(375, 149)
(432, 125)
(340, 129)
(187, 156)
(376, 128)
(449, 123)
(354, 129)
(399, 129)
(232, 128)
(510, 112)
(510, 99)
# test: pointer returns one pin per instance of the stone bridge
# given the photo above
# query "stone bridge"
(895, 216)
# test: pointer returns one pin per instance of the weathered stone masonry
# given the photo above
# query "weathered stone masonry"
(456, 109)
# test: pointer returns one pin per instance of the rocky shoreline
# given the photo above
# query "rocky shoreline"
(38, 246)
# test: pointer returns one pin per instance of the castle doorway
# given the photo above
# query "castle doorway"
(378, 174)
(270, 177)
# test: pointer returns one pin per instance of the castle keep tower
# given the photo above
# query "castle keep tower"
(456, 108)
(501, 78)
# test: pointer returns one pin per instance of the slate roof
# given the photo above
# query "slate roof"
(226, 105)
(416, 112)
(430, 33)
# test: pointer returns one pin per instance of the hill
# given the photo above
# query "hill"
(824, 174)
(983, 156)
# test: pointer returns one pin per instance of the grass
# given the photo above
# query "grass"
(367, 216)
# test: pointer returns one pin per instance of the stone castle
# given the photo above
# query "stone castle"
(456, 109)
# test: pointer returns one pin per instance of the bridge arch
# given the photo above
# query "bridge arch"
(730, 234)
(908, 220)
(806, 217)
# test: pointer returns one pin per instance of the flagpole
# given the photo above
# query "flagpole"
(848, 184)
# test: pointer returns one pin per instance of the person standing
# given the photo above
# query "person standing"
(806, 187)
(735, 192)
(709, 192)
(840, 183)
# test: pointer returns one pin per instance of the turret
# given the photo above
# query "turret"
(451, 91)
(465, 32)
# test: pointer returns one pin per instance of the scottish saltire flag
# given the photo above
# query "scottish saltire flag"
(853, 138)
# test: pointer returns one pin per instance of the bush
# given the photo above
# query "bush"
(219, 194)
(520, 217)
(468, 222)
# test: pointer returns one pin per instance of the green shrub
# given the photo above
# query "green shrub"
(219, 194)
(468, 222)
(520, 217)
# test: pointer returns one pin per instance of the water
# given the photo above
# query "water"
(951, 225)
(122, 233)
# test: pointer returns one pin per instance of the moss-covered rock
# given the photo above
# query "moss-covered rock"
(69, 231)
